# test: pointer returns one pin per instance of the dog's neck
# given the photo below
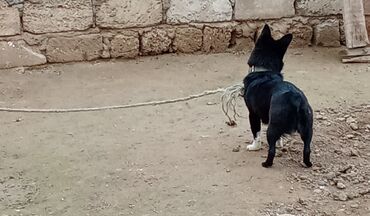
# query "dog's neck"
(258, 69)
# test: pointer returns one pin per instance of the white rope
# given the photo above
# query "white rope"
(91, 109)
(228, 100)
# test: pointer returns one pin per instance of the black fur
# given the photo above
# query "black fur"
(273, 101)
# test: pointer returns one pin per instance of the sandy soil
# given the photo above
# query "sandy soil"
(178, 159)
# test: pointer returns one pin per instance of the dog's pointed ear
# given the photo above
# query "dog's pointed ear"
(266, 32)
(285, 41)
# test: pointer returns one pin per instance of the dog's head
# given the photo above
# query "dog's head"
(269, 53)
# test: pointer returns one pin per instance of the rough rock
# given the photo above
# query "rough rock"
(241, 44)
(319, 7)
(125, 45)
(10, 23)
(128, 13)
(216, 39)
(156, 41)
(106, 48)
(80, 48)
(18, 54)
(188, 40)
(33, 39)
(242, 38)
(247, 29)
(3, 4)
(181, 11)
(327, 34)
(257, 9)
(44, 16)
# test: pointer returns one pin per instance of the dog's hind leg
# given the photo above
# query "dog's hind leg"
(273, 135)
(306, 132)
(306, 136)
(255, 123)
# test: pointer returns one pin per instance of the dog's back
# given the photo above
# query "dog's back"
(277, 102)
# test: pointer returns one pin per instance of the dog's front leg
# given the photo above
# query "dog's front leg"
(255, 123)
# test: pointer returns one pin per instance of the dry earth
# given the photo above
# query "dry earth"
(178, 159)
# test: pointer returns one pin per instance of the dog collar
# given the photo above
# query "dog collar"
(254, 69)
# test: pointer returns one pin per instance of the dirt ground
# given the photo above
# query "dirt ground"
(178, 159)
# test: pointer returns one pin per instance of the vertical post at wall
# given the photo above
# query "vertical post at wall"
(354, 24)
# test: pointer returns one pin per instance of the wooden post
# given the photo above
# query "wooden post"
(354, 24)
(356, 33)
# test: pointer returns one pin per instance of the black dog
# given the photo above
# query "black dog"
(274, 101)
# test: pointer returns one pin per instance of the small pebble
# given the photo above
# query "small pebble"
(354, 152)
(303, 177)
(354, 126)
(131, 205)
(341, 196)
(350, 120)
(322, 183)
(321, 117)
(350, 136)
(236, 149)
(317, 191)
(340, 185)
(341, 210)
(355, 205)
(330, 175)
(211, 103)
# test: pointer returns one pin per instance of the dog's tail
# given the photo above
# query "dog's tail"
(228, 100)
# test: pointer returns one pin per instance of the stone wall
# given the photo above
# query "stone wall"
(36, 32)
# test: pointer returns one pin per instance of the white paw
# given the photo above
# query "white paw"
(254, 147)
(281, 143)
